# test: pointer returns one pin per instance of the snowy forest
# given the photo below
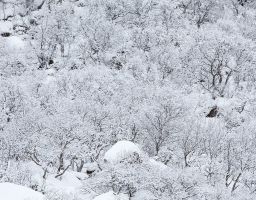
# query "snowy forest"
(127, 99)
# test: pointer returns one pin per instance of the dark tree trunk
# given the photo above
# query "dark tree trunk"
(80, 166)
(61, 162)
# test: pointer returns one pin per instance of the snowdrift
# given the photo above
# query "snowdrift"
(10, 191)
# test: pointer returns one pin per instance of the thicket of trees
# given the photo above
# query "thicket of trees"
(176, 77)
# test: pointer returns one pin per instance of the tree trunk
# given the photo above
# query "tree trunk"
(186, 160)
(235, 182)
(61, 162)
(80, 166)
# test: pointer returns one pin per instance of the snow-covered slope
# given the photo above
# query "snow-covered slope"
(10, 191)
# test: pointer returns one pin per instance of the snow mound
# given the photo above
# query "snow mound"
(66, 187)
(111, 196)
(120, 151)
(15, 43)
(10, 191)
(59, 186)
(5, 26)
(71, 179)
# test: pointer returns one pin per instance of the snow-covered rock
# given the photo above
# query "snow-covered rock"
(111, 196)
(10, 191)
(120, 151)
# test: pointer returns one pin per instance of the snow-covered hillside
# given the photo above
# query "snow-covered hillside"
(128, 99)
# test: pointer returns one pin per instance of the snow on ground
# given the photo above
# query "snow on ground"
(111, 196)
(67, 187)
(15, 44)
(71, 179)
(5, 27)
(10, 191)
(157, 164)
(144, 195)
(120, 151)
(69, 183)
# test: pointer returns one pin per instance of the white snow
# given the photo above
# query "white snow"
(5, 26)
(120, 151)
(15, 43)
(69, 184)
(50, 72)
(144, 195)
(71, 179)
(157, 164)
(111, 196)
(10, 191)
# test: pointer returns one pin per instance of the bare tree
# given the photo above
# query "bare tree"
(190, 141)
(197, 10)
(160, 125)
